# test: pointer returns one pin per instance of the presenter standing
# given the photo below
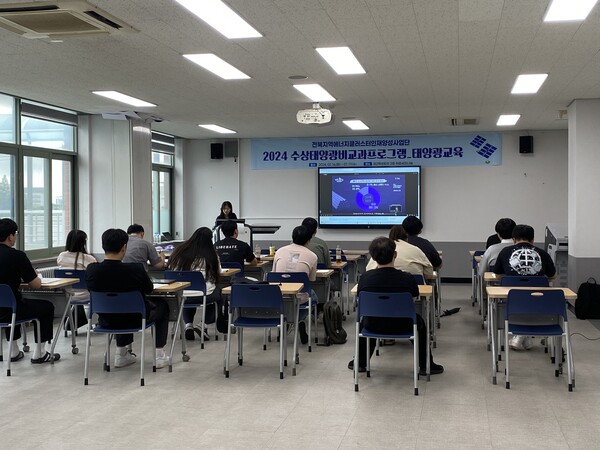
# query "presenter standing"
(226, 213)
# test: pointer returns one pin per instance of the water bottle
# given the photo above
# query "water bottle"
(157, 238)
(257, 251)
(338, 254)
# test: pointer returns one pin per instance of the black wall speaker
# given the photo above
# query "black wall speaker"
(216, 151)
(525, 144)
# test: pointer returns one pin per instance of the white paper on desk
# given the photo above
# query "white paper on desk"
(159, 285)
(50, 280)
(322, 270)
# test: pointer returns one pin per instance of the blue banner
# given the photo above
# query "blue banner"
(427, 150)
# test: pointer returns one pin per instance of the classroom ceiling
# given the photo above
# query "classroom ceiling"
(426, 61)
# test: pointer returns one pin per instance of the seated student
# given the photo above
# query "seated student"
(15, 268)
(386, 278)
(112, 275)
(231, 249)
(317, 245)
(409, 258)
(523, 258)
(504, 229)
(226, 213)
(198, 253)
(413, 227)
(142, 251)
(296, 257)
(492, 240)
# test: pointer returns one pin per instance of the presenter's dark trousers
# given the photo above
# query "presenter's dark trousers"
(28, 308)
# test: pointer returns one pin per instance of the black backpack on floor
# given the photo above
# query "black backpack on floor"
(587, 305)
(332, 320)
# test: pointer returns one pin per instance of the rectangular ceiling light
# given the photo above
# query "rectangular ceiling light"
(565, 10)
(355, 124)
(221, 17)
(218, 129)
(315, 92)
(342, 60)
(529, 84)
(216, 65)
(123, 98)
(507, 120)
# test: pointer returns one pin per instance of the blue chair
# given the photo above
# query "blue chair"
(117, 303)
(8, 301)
(538, 313)
(197, 290)
(255, 298)
(529, 281)
(419, 278)
(234, 265)
(386, 305)
(70, 307)
(310, 307)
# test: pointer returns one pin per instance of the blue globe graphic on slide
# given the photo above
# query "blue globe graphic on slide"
(368, 199)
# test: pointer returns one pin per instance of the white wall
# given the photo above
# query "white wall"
(460, 204)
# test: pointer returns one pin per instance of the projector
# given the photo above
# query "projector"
(315, 116)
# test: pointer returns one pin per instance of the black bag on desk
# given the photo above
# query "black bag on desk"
(587, 305)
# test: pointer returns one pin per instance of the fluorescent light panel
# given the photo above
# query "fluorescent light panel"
(218, 129)
(218, 66)
(565, 10)
(221, 17)
(342, 60)
(355, 124)
(123, 98)
(315, 92)
(529, 84)
(507, 120)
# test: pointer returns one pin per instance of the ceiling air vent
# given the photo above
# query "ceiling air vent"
(462, 121)
(61, 19)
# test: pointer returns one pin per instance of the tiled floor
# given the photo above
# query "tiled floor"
(196, 407)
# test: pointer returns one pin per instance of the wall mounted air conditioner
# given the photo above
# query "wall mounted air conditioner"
(60, 19)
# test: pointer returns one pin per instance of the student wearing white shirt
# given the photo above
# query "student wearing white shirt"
(76, 257)
(504, 228)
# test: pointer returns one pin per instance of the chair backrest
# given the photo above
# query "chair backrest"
(192, 276)
(117, 303)
(379, 304)
(7, 298)
(419, 278)
(234, 265)
(266, 296)
(531, 281)
(477, 253)
(290, 277)
(71, 273)
(531, 302)
(321, 266)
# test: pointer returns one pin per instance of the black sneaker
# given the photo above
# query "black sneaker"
(303, 334)
(435, 369)
(360, 369)
(189, 334)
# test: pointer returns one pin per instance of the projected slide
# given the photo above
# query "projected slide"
(378, 195)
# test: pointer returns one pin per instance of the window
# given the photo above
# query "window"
(7, 185)
(163, 149)
(7, 119)
(48, 127)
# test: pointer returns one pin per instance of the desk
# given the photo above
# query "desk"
(497, 294)
(174, 291)
(357, 257)
(259, 271)
(53, 286)
(289, 291)
(425, 293)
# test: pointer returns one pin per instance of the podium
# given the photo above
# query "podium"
(246, 231)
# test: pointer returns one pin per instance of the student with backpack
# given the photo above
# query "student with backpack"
(386, 278)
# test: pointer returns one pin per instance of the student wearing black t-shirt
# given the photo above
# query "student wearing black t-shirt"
(386, 278)
(413, 227)
(231, 249)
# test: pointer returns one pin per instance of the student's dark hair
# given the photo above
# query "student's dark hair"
(311, 224)
(113, 240)
(228, 228)
(135, 228)
(301, 235)
(76, 240)
(197, 251)
(7, 227)
(523, 233)
(228, 204)
(398, 233)
(412, 225)
(382, 250)
(504, 227)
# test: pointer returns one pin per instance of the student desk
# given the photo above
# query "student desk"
(51, 288)
(259, 271)
(425, 293)
(498, 294)
(357, 258)
(173, 291)
(289, 291)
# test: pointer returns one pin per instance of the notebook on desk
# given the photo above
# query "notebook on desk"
(161, 280)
